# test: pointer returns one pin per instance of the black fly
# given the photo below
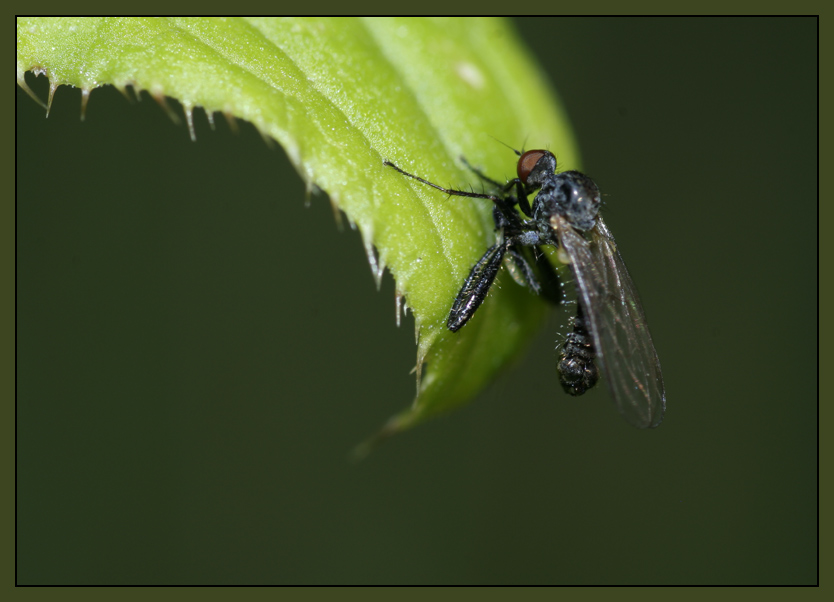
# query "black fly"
(610, 327)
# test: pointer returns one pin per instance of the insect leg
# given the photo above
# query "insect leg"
(521, 270)
(450, 191)
(504, 213)
(521, 192)
(476, 286)
(551, 284)
(532, 268)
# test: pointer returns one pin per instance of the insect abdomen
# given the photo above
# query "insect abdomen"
(578, 371)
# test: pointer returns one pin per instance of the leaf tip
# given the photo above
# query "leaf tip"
(398, 298)
(231, 121)
(189, 119)
(161, 99)
(85, 98)
(397, 424)
(374, 260)
(21, 81)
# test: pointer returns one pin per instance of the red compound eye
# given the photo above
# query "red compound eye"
(527, 162)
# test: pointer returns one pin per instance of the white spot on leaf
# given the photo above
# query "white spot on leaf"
(470, 74)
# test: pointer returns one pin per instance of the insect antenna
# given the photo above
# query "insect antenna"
(517, 152)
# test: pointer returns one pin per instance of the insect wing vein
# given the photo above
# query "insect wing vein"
(623, 344)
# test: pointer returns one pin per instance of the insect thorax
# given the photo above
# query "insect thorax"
(570, 194)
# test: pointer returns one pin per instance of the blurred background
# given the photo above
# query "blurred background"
(197, 352)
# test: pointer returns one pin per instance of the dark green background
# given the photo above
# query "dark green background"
(197, 352)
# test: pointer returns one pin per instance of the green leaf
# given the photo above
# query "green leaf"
(342, 95)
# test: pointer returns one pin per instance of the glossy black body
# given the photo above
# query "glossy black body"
(610, 327)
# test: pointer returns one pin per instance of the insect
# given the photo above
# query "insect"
(610, 334)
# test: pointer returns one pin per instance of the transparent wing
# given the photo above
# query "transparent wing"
(615, 317)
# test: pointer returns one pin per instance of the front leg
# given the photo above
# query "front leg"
(476, 286)
(450, 191)
(520, 190)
